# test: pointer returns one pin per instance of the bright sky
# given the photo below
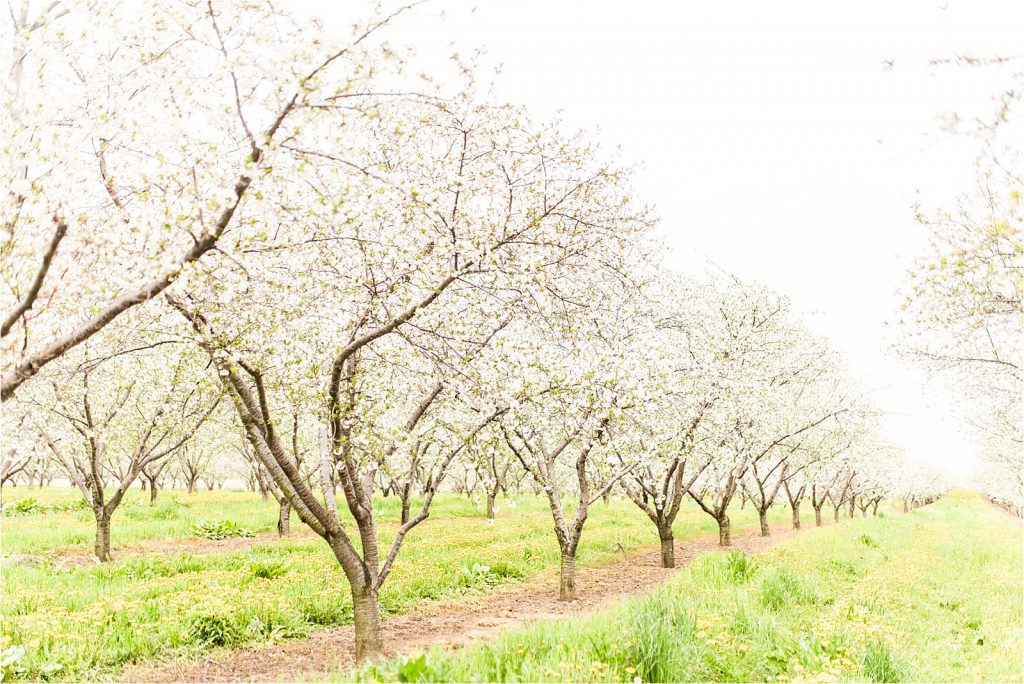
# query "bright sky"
(773, 140)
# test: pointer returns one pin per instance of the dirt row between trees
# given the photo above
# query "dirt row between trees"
(451, 625)
(73, 557)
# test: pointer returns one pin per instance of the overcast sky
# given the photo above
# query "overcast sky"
(773, 137)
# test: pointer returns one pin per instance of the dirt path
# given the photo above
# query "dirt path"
(450, 626)
(1009, 515)
(75, 557)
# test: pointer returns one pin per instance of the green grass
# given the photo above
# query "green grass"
(935, 595)
(135, 521)
(89, 621)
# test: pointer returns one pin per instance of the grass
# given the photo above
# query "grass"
(935, 595)
(87, 622)
(135, 522)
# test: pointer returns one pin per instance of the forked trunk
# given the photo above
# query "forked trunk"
(102, 547)
(668, 548)
(724, 533)
(567, 578)
(490, 506)
(874, 508)
(284, 519)
(763, 517)
(796, 515)
(836, 511)
(366, 616)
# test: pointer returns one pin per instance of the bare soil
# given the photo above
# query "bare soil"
(450, 625)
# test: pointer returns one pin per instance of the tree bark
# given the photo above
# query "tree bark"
(836, 512)
(490, 506)
(817, 516)
(668, 548)
(366, 616)
(763, 517)
(853, 503)
(284, 521)
(102, 546)
(796, 515)
(724, 535)
(906, 506)
(567, 578)
(405, 509)
(152, 492)
(874, 508)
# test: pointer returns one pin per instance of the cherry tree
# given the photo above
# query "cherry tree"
(823, 473)
(134, 134)
(192, 462)
(390, 264)
(114, 415)
(816, 410)
(152, 475)
(782, 388)
(573, 388)
(962, 317)
(492, 464)
(685, 389)
(21, 454)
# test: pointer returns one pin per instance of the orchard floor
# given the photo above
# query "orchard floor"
(454, 626)
(169, 598)
(933, 596)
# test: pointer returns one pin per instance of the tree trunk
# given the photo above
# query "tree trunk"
(567, 578)
(864, 512)
(142, 484)
(152, 492)
(796, 515)
(817, 516)
(490, 506)
(668, 548)
(724, 535)
(906, 506)
(836, 511)
(853, 503)
(284, 519)
(366, 616)
(191, 487)
(607, 498)
(405, 509)
(763, 517)
(102, 547)
(874, 508)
